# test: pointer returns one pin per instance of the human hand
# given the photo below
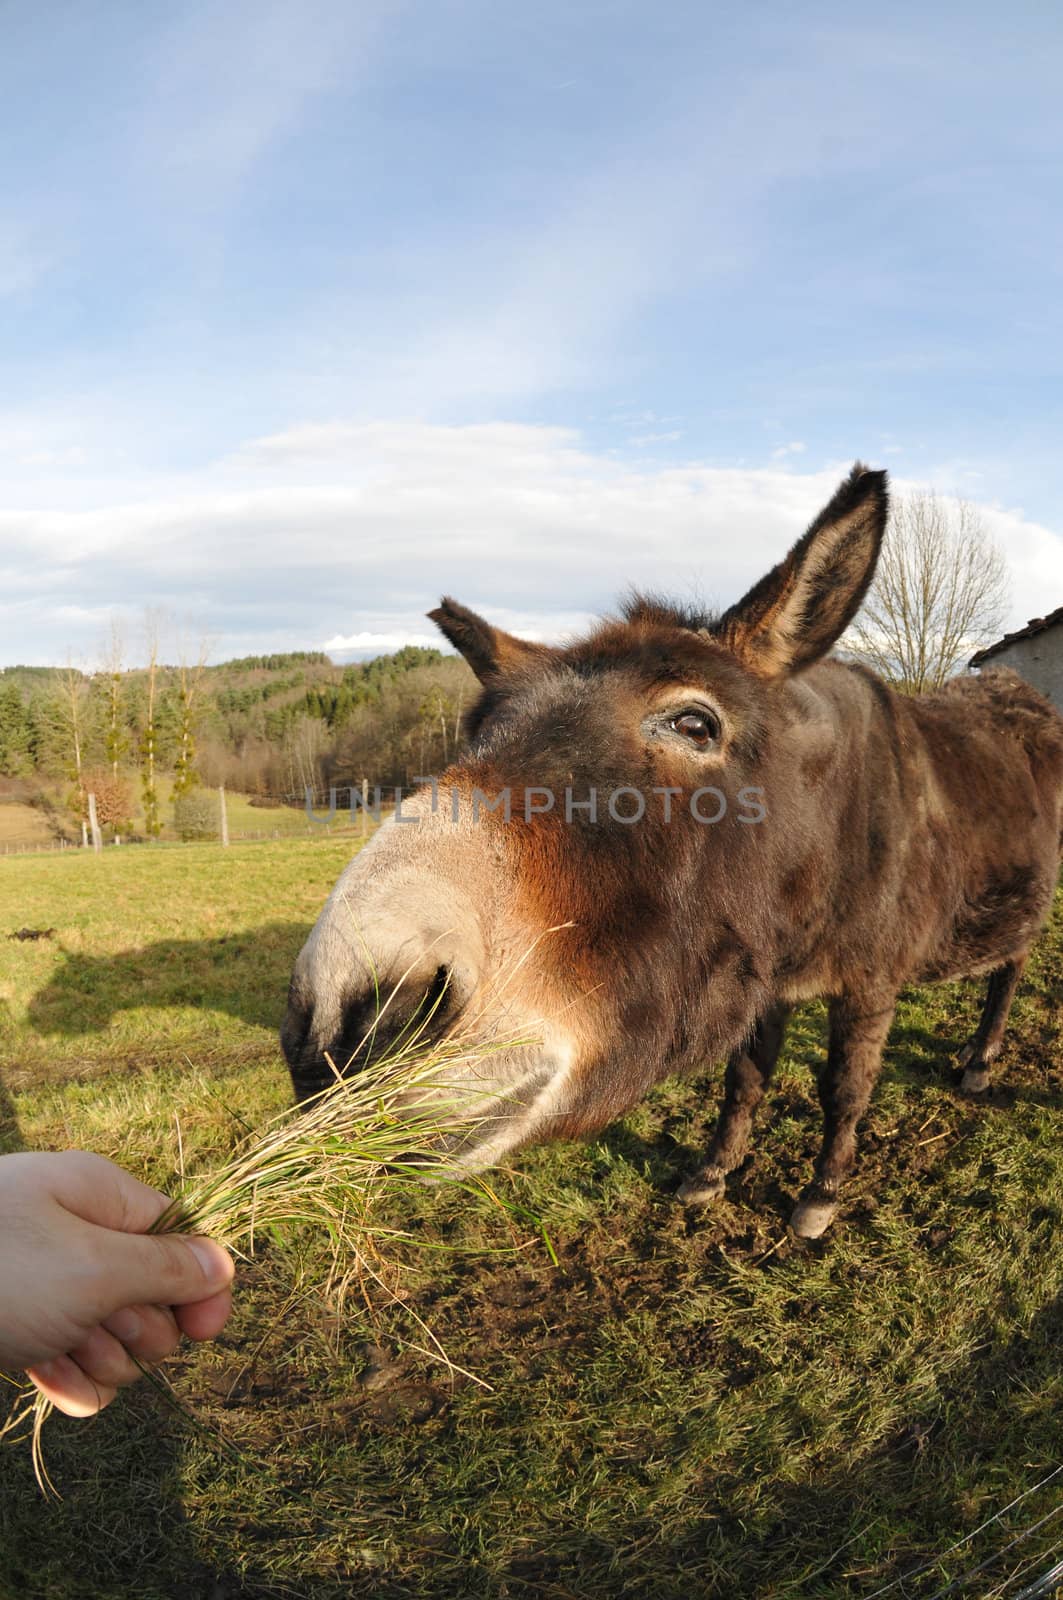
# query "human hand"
(84, 1288)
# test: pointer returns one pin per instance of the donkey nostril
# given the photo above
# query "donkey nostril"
(295, 1029)
(421, 1007)
(375, 1022)
(439, 996)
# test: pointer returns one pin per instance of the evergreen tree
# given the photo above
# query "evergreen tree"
(16, 733)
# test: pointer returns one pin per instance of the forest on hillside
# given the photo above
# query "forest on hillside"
(268, 726)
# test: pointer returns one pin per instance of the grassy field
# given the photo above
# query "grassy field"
(685, 1406)
(24, 827)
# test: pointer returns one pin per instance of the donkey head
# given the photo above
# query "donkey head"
(600, 872)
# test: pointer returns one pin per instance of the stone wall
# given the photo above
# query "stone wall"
(1038, 659)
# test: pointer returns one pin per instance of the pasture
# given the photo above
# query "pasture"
(685, 1405)
(25, 827)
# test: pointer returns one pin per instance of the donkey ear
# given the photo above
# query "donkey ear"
(793, 615)
(488, 650)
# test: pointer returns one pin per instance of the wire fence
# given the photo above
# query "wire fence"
(1044, 1585)
(1048, 1583)
(236, 836)
(352, 812)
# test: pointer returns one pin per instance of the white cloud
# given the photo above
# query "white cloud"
(1034, 556)
(376, 643)
(344, 534)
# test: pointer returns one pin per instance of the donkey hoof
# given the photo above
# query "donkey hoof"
(812, 1217)
(703, 1187)
(975, 1079)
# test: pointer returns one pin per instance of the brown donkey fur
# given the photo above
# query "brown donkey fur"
(866, 840)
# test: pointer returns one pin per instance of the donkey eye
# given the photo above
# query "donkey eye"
(700, 727)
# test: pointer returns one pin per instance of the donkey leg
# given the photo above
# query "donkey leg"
(748, 1075)
(858, 1032)
(985, 1043)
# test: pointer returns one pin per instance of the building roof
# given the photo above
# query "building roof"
(1035, 625)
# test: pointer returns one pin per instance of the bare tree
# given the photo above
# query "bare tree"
(190, 683)
(458, 708)
(941, 590)
(115, 741)
(71, 711)
(304, 748)
(434, 708)
(149, 738)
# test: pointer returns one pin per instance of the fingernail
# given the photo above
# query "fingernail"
(208, 1254)
(125, 1325)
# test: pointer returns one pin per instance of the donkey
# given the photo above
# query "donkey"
(664, 836)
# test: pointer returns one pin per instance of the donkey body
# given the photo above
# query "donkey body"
(858, 840)
(926, 843)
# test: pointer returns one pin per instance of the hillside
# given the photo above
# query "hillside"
(267, 727)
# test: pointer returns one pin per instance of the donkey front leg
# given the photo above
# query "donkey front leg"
(858, 1030)
(748, 1075)
(983, 1047)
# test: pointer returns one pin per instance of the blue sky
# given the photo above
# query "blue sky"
(310, 310)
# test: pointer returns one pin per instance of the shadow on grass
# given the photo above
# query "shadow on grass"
(822, 1532)
(838, 1534)
(120, 1528)
(10, 1133)
(244, 975)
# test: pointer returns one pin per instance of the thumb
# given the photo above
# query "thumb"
(169, 1269)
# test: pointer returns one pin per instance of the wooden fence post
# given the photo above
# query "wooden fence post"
(224, 815)
(97, 840)
(365, 807)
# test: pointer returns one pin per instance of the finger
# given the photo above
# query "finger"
(205, 1319)
(107, 1362)
(98, 1191)
(158, 1269)
(69, 1389)
(148, 1332)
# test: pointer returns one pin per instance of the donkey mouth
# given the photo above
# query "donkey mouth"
(410, 1021)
